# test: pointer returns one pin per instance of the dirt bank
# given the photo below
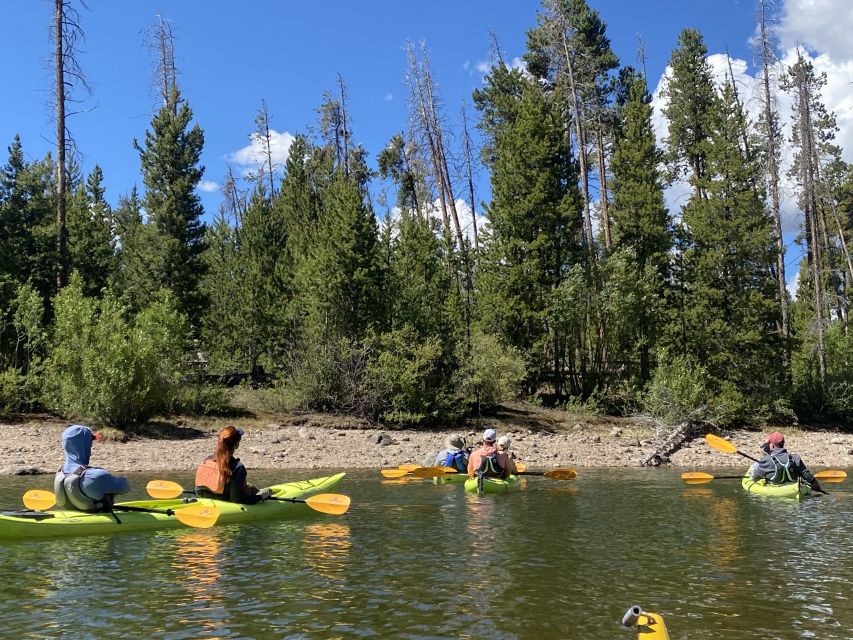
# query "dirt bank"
(542, 438)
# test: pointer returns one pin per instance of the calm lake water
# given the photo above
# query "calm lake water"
(557, 560)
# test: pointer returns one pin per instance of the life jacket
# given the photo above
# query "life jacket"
(490, 467)
(68, 492)
(783, 471)
(457, 459)
(208, 477)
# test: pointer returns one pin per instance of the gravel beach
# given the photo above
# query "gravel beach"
(542, 438)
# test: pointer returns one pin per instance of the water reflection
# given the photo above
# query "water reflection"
(198, 557)
(327, 548)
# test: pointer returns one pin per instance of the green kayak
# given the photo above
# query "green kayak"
(493, 485)
(63, 522)
(790, 490)
(451, 478)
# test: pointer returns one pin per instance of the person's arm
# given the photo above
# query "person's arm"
(99, 482)
(238, 488)
(762, 469)
(472, 469)
(511, 468)
(807, 475)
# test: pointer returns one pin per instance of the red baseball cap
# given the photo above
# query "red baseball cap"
(776, 438)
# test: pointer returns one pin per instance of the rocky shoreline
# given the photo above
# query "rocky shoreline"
(542, 438)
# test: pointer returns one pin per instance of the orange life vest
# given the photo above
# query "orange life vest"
(208, 476)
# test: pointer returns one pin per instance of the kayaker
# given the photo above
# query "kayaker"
(504, 445)
(222, 476)
(80, 486)
(487, 461)
(453, 455)
(778, 466)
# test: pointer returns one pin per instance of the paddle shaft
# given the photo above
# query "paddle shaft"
(270, 498)
(288, 500)
(748, 457)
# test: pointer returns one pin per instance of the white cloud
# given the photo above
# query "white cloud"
(251, 157)
(483, 67)
(821, 25)
(793, 284)
(208, 186)
(389, 97)
(463, 210)
(837, 96)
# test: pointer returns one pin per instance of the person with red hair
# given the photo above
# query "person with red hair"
(223, 476)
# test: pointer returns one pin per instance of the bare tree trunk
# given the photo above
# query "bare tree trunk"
(435, 123)
(469, 162)
(575, 108)
(61, 230)
(602, 177)
(422, 115)
(234, 202)
(771, 152)
(814, 252)
(163, 42)
(262, 121)
(344, 129)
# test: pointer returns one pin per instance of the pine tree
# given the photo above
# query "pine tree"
(340, 280)
(171, 173)
(690, 94)
(641, 224)
(91, 245)
(533, 218)
(140, 255)
(223, 322)
(730, 312)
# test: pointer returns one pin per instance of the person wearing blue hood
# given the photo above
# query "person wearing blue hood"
(79, 486)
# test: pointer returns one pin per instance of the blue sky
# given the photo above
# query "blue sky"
(232, 55)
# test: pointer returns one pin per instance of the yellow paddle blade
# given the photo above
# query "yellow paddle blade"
(720, 444)
(333, 503)
(831, 475)
(520, 467)
(39, 500)
(393, 473)
(163, 489)
(198, 515)
(433, 472)
(696, 477)
(567, 473)
(409, 466)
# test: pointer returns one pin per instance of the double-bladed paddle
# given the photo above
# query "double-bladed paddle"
(700, 477)
(720, 444)
(567, 473)
(406, 469)
(332, 503)
(194, 515)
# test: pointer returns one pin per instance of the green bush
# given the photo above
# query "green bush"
(833, 399)
(411, 378)
(491, 372)
(323, 377)
(18, 392)
(397, 376)
(679, 390)
(202, 399)
(108, 367)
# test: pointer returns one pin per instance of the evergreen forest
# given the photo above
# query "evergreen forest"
(355, 280)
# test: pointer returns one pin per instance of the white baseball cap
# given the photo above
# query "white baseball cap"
(490, 435)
